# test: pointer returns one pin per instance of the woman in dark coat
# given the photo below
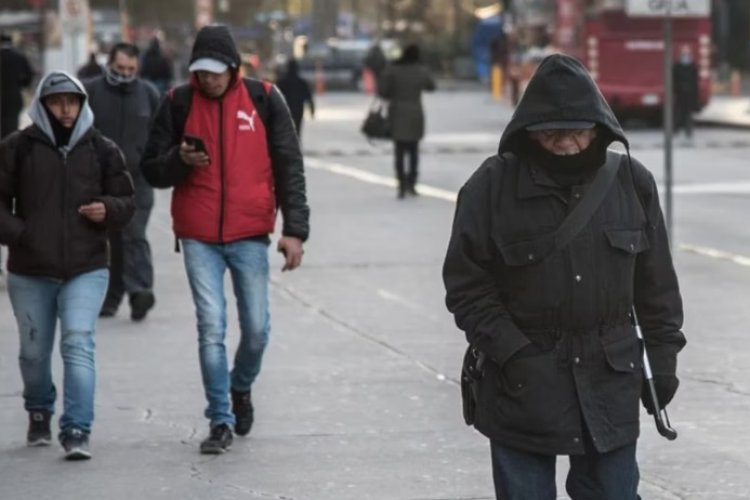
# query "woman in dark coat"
(297, 92)
(402, 84)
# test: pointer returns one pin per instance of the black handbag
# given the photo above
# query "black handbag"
(376, 125)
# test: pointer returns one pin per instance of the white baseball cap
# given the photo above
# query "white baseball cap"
(208, 64)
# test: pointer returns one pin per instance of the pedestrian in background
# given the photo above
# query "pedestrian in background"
(15, 75)
(156, 67)
(229, 175)
(123, 105)
(375, 61)
(67, 185)
(91, 69)
(402, 84)
(686, 95)
(549, 314)
(297, 93)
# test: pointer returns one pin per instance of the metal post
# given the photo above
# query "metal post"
(668, 120)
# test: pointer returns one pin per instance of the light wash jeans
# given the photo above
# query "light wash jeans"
(37, 304)
(206, 264)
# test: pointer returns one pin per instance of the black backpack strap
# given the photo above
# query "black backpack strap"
(23, 147)
(180, 97)
(581, 214)
(260, 91)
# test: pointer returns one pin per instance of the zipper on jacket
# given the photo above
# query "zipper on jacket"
(66, 181)
(221, 169)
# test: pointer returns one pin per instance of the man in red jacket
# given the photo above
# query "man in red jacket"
(233, 158)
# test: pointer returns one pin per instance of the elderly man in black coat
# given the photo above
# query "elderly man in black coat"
(552, 320)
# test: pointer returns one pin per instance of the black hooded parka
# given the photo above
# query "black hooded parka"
(508, 287)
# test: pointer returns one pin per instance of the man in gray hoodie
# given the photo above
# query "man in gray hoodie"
(123, 105)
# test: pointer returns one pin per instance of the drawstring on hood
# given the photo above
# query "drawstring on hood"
(45, 121)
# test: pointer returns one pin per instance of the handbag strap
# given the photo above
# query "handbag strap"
(582, 213)
(377, 104)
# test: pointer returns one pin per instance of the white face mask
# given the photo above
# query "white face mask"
(118, 79)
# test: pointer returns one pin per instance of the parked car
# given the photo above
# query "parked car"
(340, 62)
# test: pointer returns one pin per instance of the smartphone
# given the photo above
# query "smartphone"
(196, 142)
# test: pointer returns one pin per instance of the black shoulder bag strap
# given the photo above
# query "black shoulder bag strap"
(582, 213)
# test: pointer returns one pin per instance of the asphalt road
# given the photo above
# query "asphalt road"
(358, 397)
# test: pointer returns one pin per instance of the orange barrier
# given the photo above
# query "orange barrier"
(735, 84)
(497, 82)
(320, 84)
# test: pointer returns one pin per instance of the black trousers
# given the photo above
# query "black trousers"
(406, 180)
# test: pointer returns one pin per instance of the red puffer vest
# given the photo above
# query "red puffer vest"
(232, 198)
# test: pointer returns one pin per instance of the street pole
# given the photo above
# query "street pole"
(668, 120)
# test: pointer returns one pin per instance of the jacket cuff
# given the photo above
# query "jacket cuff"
(663, 360)
(295, 234)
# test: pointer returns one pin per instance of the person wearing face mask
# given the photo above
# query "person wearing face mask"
(686, 95)
(554, 361)
(62, 187)
(123, 105)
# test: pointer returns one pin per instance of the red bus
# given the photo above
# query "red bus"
(625, 55)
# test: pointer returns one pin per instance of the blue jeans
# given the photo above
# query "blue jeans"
(37, 304)
(521, 475)
(206, 265)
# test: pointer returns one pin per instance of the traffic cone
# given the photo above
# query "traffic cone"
(320, 84)
(368, 81)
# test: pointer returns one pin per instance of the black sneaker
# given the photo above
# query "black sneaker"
(76, 444)
(242, 407)
(140, 304)
(39, 433)
(218, 441)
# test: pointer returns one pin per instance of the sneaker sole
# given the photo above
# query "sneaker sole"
(77, 454)
(38, 443)
(214, 451)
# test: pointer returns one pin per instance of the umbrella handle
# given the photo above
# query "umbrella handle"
(661, 418)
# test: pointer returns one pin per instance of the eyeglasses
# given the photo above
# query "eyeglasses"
(563, 133)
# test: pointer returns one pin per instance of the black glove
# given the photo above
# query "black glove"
(665, 385)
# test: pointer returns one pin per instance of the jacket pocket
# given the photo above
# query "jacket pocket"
(630, 241)
(622, 247)
(530, 272)
(621, 382)
(536, 396)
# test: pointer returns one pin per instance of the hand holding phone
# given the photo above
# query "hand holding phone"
(196, 142)
(193, 151)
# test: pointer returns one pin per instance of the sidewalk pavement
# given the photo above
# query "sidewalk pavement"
(352, 403)
(726, 111)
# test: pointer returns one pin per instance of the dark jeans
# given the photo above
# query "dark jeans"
(131, 267)
(683, 119)
(521, 475)
(406, 180)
